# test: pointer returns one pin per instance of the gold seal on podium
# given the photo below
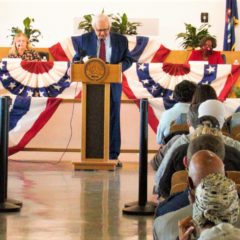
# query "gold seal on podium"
(95, 70)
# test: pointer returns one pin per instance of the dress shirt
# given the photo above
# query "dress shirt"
(167, 117)
(108, 48)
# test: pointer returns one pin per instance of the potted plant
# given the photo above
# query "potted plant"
(192, 36)
(86, 23)
(120, 24)
(32, 34)
(236, 90)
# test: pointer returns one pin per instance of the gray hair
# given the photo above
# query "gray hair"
(209, 142)
(100, 17)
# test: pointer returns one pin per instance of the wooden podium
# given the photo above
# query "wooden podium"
(96, 77)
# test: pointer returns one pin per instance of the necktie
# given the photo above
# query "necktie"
(102, 50)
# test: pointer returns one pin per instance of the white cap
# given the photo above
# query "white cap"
(213, 108)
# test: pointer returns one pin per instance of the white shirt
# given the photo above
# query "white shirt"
(108, 47)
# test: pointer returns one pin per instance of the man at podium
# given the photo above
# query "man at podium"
(111, 48)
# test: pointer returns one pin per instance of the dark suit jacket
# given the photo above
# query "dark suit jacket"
(120, 53)
(231, 162)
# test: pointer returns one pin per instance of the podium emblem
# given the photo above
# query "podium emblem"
(95, 70)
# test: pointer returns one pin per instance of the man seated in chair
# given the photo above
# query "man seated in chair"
(176, 201)
(212, 109)
(202, 164)
(202, 93)
(183, 93)
(231, 161)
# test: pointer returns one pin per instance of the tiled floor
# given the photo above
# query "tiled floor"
(62, 204)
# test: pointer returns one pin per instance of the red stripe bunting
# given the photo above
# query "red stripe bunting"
(58, 53)
(51, 107)
(161, 54)
(37, 67)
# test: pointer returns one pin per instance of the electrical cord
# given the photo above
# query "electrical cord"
(71, 130)
(69, 140)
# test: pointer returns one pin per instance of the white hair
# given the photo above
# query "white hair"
(100, 17)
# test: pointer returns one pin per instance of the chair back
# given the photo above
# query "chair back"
(176, 129)
(180, 187)
(44, 56)
(179, 181)
(224, 57)
(234, 175)
(235, 133)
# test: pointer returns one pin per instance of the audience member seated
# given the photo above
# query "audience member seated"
(21, 49)
(181, 119)
(202, 93)
(231, 158)
(177, 201)
(215, 202)
(158, 157)
(183, 93)
(202, 164)
(211, 108)
(177, 129)
(206, 52)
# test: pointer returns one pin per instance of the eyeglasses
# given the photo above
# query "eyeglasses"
(105, 30)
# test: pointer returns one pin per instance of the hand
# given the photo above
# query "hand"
(185, 228)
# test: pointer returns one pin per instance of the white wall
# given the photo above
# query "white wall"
(55, 18)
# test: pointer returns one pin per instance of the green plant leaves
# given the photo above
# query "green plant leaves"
(32, 34)
(192, 36)
(236, 90)
(86, 24)
(120, 24)
(27, 21)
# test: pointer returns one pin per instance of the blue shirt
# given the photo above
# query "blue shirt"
(167, 117)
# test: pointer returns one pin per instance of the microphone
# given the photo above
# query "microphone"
(78, 57)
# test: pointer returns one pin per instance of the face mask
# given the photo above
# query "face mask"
(207, 50)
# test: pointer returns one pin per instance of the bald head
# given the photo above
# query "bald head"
(204, 163)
